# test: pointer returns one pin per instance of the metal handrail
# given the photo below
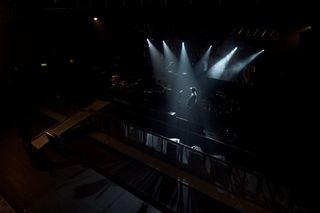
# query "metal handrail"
(226, 175)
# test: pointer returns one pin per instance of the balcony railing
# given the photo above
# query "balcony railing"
(225, 175)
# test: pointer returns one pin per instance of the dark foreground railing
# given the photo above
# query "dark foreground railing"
(227, 176)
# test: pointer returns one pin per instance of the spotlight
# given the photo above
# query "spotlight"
(149, 43)
(306, 28)
(172, 113)
(95, 18)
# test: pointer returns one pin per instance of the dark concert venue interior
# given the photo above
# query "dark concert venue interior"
(158, 106)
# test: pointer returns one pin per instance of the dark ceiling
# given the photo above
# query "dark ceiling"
(205, 11)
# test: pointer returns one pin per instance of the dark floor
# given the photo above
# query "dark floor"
(85, 177)
(51, 182)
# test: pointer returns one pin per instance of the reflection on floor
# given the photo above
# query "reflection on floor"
(85, 190)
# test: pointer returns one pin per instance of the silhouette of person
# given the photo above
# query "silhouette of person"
(192, 99)
(193, 111)
(191, 105)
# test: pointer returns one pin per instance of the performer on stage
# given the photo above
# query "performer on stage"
(193, 112)
(192, 99)
(192, 106)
